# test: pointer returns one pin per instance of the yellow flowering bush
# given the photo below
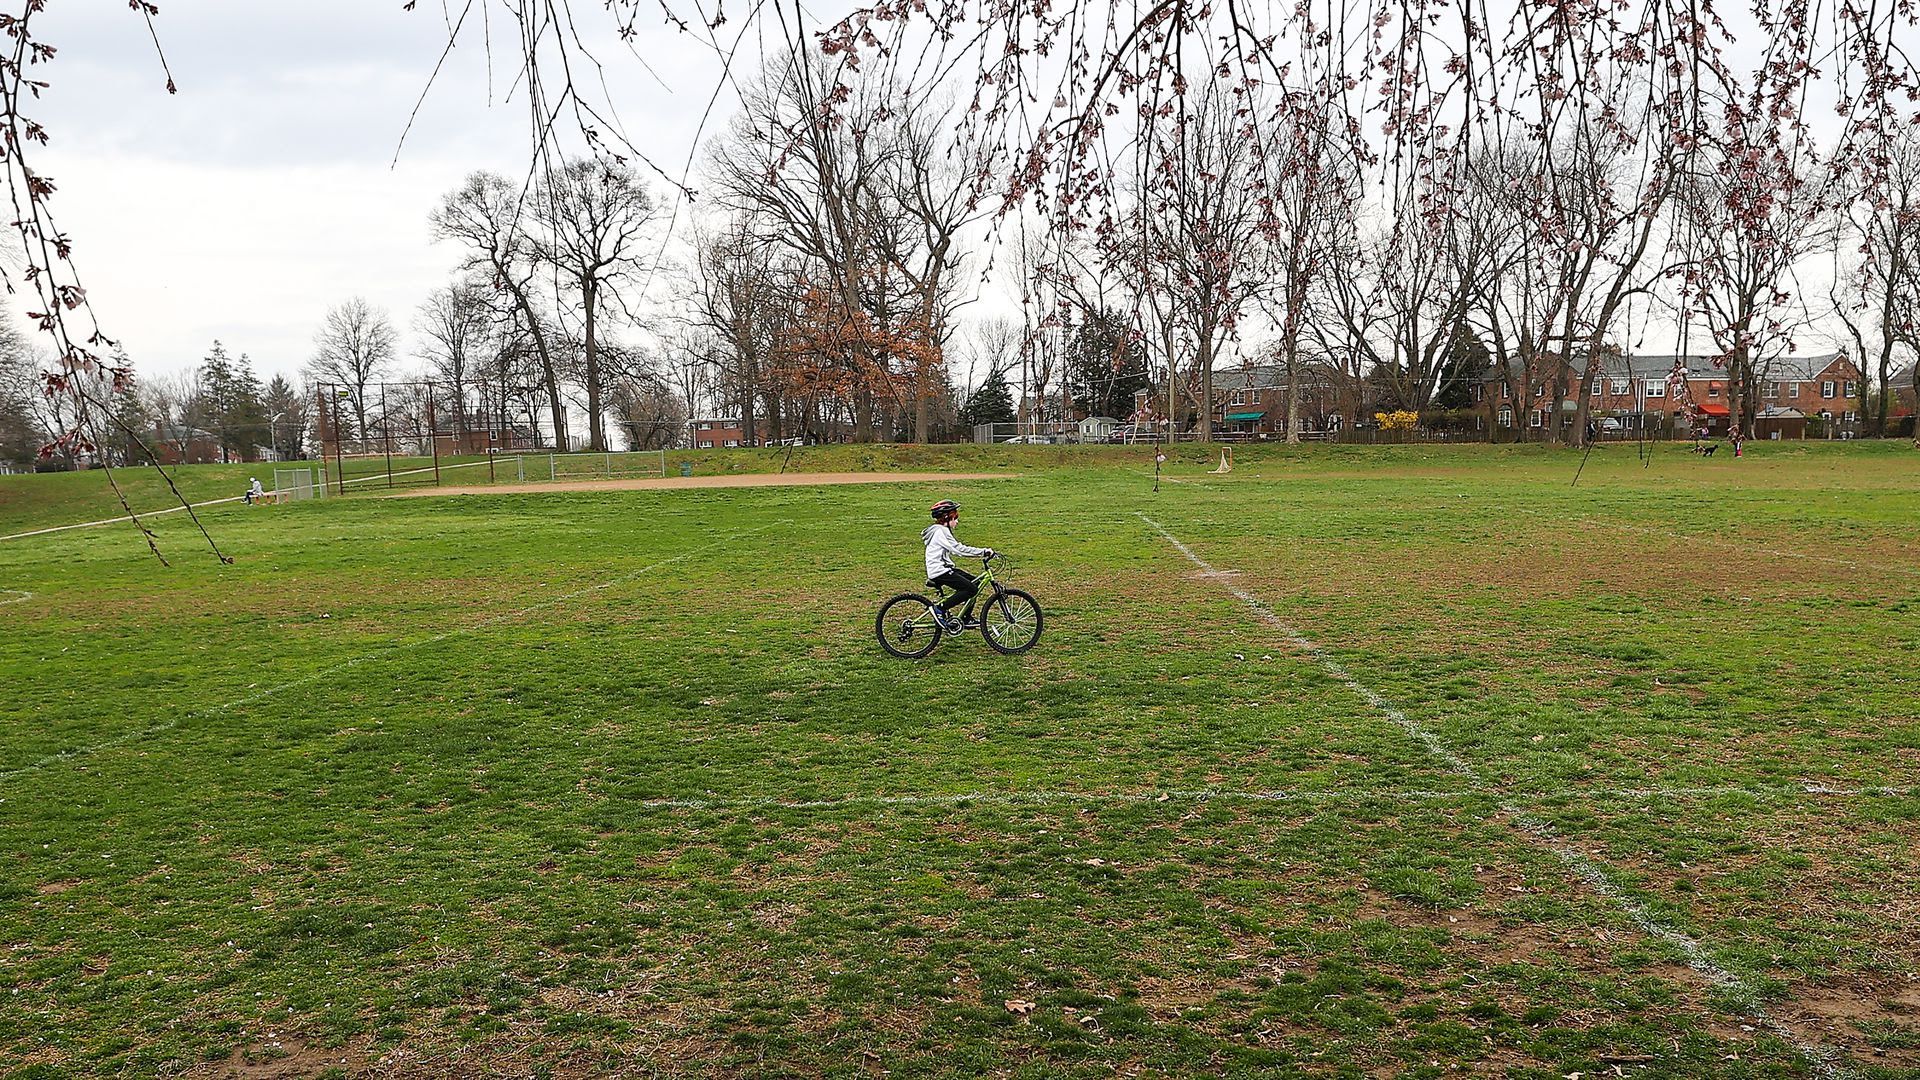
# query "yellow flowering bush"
(1401, 420)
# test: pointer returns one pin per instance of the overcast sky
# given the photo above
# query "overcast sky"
(266, 190)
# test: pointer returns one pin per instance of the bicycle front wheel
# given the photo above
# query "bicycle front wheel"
(1012, 622)
(906, 626)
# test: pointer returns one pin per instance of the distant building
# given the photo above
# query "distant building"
(179, 444)
(710, 433)
(1639, 393)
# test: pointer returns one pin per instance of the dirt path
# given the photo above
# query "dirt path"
(727, 480)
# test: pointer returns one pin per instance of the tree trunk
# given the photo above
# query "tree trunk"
(1293, 390)
(1886, 384)
(863, 415)
(1205, 359)
(1737, 392)
(921, 423)
(554, 402)
(596, 431)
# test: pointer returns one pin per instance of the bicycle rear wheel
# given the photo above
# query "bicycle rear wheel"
(1012, 622)
(906, 626)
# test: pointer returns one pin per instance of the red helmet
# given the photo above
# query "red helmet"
(945, 509)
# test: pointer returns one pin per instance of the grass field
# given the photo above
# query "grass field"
(1354, 762)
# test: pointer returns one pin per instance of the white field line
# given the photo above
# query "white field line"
(1728, 542)
(377, 654)
(1579, 865)
(144, 514)
(20, 596)
(1200, 795)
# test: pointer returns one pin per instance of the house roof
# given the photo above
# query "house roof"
(180, 432)
(1798, 368)
(1702, 366)
(1777, 412)
(1263, 377)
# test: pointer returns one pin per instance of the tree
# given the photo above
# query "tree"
(288, 413)
(650, 412)
(992, 403)
(1196, 238)
(593, 216)
(742, 300)
(353, 349)
(484, 215)
(457, 325)
(868, 215)
(21, 432)
(1882, 310)
(1105, 364)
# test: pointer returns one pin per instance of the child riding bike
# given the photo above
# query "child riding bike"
(941, 573)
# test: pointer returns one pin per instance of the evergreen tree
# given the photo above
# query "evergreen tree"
(1466, 363)
(992, 403)
(246, 415)
(1105, 365)
(287, 413)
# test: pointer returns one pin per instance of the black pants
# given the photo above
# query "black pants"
(961, 584)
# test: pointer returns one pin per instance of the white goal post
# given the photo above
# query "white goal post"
(294, 485)
(612, 465)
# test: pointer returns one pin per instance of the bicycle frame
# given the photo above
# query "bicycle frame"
(983, 584)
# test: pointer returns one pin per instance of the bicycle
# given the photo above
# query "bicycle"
(1010, 622)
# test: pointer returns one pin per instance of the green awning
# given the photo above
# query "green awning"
(1246, 415)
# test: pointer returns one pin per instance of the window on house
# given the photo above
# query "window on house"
(1505, 391)
(1713, 390)
(1773, 391)
(1793, 389)
(1853, 389)
(706, 444)
(1656, 388)
(1826, 389)
(1539, 418)
(1622, 386)
(1596, 386)
(1539, 389)
(733, 442)
(706, 425)
(1850, 416)
(1506, 417)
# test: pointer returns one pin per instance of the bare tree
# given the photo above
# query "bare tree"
(593, 217)
(870, 216)
(1882, 307)
(650, 411)
(353, 348)
(743, 295)
(457, 326)
(1197, 237)
(484, 214)
(1743, 227)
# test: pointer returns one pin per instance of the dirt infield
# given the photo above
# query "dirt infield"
(719, 481)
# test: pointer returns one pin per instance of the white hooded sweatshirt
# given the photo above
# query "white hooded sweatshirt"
(942, 547)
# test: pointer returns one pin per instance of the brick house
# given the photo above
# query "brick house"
(1824, 387)
(178, 444)
(1636, 393)
(1901, 408)
(1252, 401)
(711, 432)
